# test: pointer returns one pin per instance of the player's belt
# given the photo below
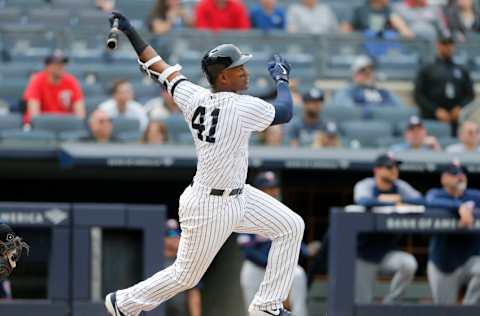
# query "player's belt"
(219, 192)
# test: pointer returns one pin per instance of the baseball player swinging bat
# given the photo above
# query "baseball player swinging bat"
(218, 202)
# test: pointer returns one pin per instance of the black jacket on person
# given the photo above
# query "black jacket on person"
(442, 84)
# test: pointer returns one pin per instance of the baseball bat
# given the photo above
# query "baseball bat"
(112, 39)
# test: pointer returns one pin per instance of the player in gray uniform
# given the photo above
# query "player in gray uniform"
(377, 252)
(218, 202)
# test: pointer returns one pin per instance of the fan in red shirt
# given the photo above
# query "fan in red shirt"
(53, 90)
(222, 14)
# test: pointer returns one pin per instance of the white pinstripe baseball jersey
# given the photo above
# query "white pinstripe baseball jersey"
(221, 125)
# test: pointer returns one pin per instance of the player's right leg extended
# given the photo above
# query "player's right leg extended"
(270, 218)
(206, 223)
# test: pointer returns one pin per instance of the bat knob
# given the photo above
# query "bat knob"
(112, 43)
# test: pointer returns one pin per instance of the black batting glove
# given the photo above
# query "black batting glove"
(124, 24)
(279, 68)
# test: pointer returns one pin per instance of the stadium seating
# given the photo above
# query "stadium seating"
(64, 127)
(366, 132)
(32, 138)
(10, 121)
(339, 113)
(177, 129)
(126, 130)
(392, 115)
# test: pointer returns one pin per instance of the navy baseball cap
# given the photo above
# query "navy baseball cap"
(386, 160)
(57, 57)
(265, 180)
(330, 128)
(314, 94)
(6, 233)
(454, 168)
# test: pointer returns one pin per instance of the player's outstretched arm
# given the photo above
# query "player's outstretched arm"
(279, 70)
(150, 59)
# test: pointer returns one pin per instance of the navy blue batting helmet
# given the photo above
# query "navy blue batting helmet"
(222, 57)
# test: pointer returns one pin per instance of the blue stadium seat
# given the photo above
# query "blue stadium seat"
(366, 132)
(64, 127)
(177, 128)
(340, 113)
(76, 5)
(438, 129)
(126, 129)
(12, 90)
(30, 42)
(393, 115)
(27, 3)
(11, 121)
(30, 138)
(53, 18)
(92, 102)
(90, 18)
(10, 15)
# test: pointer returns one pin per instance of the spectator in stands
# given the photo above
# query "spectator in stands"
(158, 109)
(416, 137)
(301, 131)
(267, 15)
(469, 139)
(363, 91)
(309, 16)
(443, 88)
(327, 137)
(5, 290)
(53, 90)
(378, 252)
(454, 259)
(168, 14)
(421, 18)
(156, 133)
(105, 5)
(272, 136)
(100, 126)
(256, 248)
(122, 104)
(376, 19)
(462, 16)
(218, 15)
(161, 107)
(193, 296)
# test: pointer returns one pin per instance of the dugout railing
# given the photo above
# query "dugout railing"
(70, 263)
(344, 229)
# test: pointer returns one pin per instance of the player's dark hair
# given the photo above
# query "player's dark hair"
(212, 72)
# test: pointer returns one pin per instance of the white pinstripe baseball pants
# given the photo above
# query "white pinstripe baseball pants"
(207, 221)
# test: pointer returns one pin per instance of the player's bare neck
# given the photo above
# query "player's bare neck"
(219, 88)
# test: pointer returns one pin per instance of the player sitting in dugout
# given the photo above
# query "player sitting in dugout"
(454, 259)
(378, 253)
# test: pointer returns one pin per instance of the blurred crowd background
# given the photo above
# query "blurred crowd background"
(408, 68)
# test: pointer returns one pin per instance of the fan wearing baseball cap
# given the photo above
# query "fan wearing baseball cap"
(379, 252)
(53, 90)
(364, 92)
(454, 259)
(416, 137)
(302, 129)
